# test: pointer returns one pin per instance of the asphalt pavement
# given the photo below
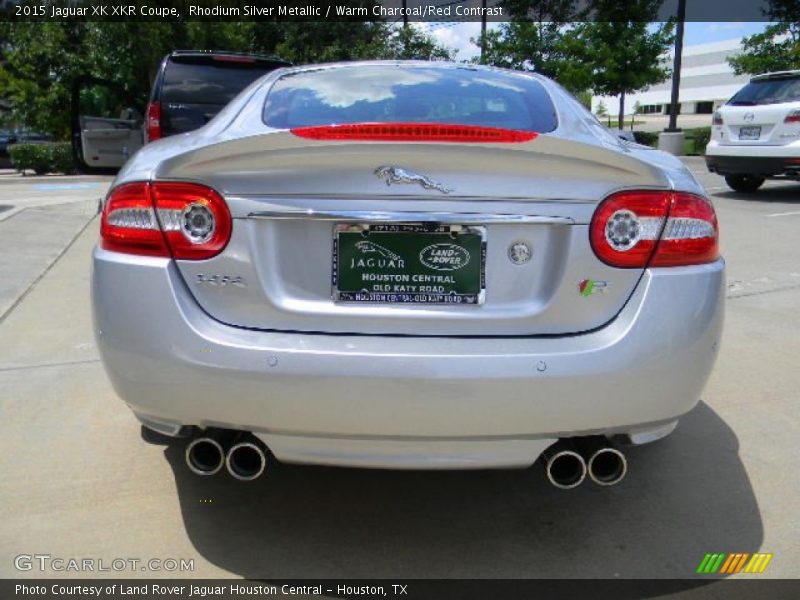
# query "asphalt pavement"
(80, 480)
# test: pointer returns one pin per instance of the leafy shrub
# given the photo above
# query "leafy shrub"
(700, 137)
(648, 138)
(42, 158)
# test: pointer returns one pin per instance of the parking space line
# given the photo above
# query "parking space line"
(785, 214)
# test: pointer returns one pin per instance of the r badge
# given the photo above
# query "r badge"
(587, 287)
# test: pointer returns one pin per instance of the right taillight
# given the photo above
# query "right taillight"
(793, 117)
(636, 229)
(153, 121)
(717, 119)
(186, 221)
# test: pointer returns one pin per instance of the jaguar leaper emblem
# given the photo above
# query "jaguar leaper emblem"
(368, 247)
(392, 175)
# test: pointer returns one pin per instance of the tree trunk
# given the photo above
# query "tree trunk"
(621, 119)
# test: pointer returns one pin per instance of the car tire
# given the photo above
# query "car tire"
(744, 183)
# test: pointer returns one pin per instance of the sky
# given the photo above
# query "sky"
(457, 35)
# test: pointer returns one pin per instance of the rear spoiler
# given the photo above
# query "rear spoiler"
(224, 57)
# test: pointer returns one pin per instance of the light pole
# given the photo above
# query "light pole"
(672, 138)
(483, 32)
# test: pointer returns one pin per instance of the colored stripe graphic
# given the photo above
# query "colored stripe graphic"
(758, 563)
(732, 558)
(732, 563)
(711, 563)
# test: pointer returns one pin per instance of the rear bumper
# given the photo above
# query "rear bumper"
(764, 166)
(766, 161)
(401, 401)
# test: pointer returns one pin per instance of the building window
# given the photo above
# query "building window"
(704, 108)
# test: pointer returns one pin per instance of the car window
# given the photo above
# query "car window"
(409, 94)
(207, 83)
(768, 91)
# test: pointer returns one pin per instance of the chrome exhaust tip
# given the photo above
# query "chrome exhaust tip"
(565, 468)
(205, 456)
(607, 466)
(246, 460)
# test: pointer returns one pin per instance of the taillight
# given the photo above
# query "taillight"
(415, 132)
(717, 119)
(183, 220)
(129, 224)
(793, 117)
(636, 229)
(153, 121)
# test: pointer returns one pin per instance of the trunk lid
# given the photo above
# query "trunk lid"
(289, 196)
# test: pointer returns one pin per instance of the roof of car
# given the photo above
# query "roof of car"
(776, 75)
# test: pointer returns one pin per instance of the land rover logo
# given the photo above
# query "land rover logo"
(444, 257)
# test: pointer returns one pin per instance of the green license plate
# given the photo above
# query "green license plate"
(409, 263)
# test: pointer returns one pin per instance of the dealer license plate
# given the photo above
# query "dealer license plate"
(402, 263)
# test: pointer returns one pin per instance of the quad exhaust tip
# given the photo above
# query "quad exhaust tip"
(565, 468)
(246, 460)
(205, 456)
(607, 466)
(570, 460)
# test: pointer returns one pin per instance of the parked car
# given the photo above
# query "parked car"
(190, 87)
(756, 134)
(407, 265)
(21, 136)
(6, 139)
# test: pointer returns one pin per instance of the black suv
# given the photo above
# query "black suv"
(192, 86)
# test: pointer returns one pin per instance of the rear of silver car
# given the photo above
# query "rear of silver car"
(407, 294)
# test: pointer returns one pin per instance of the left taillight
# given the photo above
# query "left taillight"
(185, 221)
(153, 121)
(637, 229)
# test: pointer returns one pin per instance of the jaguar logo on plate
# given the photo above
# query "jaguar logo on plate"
(444, 257)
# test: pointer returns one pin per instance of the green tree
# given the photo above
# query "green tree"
(777, 48)
(602, 109)
(621, 50)
(537, 39)
(39, 62)
(409, 43)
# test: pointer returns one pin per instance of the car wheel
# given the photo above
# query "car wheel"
(744, 183)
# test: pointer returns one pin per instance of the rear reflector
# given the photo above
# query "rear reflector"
(153, 121)
(635, 229)
(182, 220)
(415, 132)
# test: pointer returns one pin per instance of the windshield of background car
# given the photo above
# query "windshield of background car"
(768, 91)
(203, 83)
(401, 94)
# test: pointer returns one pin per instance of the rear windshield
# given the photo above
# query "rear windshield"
(197, 83)
(403, 94)
(768, 91)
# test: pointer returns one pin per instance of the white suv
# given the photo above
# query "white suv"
(756, 134)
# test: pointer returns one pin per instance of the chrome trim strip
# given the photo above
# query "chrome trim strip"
(371, 216)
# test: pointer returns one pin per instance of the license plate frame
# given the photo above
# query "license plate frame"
(387, 247)
(750, 132)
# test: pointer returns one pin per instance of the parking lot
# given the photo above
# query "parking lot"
(80, 480)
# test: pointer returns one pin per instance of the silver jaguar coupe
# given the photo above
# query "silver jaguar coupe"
(407, 265)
